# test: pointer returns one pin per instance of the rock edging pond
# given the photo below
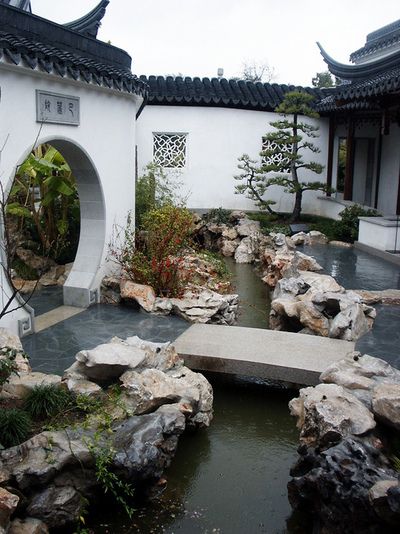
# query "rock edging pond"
(349, 425)
(146, 398)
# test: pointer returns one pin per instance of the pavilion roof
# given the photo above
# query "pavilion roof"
(378, 41)
(39, 44)
(363, 85)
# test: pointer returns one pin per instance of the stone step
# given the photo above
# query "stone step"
(55, 316)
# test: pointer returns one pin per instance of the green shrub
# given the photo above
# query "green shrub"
(15, 425)
(347, 228)
(155, 189)
(46, 400)
(279, 229)
(23, 270)
(264, 219)
(157, 259)
(218, 216)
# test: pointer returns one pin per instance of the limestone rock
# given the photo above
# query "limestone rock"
(206, 307)
(51, 277)
(342, 244)
(19, 386)
(8, 503)
(228, 247)
(386, 404)
(63, 278)
(381, 497)
(108, 361)
(320, 282)
(8, 339)
(12, 341)
(301, 238)
(317, 238)
(110, 292)
(307, 263)
(247, 227)
(290, 288)
(29, 525)
(56, 505)
(34, 261)
(26, 287)
(162, 306)
(247, 251)
(146, 444)
(236, 215)
(80, 386)
(161, 356)
(142, 294)
(328, 413)
(334, 485)
(152, 388)
(350, 324)
(230, 233)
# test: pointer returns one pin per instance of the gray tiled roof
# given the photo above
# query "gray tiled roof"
(219, 92)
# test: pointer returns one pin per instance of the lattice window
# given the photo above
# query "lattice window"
(169, 150)
(278, 158)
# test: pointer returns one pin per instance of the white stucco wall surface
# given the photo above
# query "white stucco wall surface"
(100, 151)
(390, 168)
(216, 137)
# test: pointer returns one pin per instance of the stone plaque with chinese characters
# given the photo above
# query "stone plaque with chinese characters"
(57, 109)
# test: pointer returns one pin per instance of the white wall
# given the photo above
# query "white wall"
(390, 168)
(105, 139)
(216, 138)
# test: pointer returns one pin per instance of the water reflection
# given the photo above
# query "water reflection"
(231, 478)
(254, 296)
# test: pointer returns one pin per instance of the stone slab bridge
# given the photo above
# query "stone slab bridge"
(255, 352)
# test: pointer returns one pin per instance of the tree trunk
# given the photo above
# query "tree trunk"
(297, 207)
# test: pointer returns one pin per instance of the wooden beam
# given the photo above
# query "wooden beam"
(349, 172)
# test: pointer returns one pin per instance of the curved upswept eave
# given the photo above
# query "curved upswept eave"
(362, 71)
(90, 23)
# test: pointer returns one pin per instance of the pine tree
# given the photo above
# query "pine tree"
(282, 160)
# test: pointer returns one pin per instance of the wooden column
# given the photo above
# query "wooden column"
(330, 153)
(349, 172)
(398, 198)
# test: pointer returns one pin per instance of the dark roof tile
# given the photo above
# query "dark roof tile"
(219, 92)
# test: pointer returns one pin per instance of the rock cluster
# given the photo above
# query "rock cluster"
(50, 273)
(344, 476)
(197, 305)
(314, 303)
(44, 481)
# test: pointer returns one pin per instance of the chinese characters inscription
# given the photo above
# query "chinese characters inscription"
(56, 108)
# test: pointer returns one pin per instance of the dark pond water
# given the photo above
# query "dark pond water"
(230, 478)
(254, 295)
(355, 269)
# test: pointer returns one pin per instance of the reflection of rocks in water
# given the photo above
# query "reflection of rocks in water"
(163, 510)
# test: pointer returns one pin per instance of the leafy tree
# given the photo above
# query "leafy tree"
(45, 199)
(282, 160)
(257, 71)
(154, 189)
(323, 79)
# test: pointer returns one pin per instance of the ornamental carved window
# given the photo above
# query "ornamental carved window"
(169, 150)
(278, 158)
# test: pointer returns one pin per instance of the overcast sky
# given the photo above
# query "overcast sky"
(195, 37)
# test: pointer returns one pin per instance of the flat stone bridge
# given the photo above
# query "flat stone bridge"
(255, 352)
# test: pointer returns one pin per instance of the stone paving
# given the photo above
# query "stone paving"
(54, 349)
(46, 299)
